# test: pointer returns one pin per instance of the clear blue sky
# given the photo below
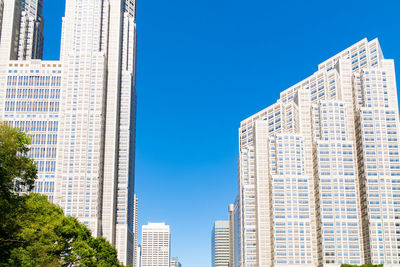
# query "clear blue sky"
(203, 66)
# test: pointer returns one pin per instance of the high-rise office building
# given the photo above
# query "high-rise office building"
(236, 233)
(138, 254)
(135, 230)
(30, 43)
(155, 245)
(175, 262)
(319, 169)
(22, 36)
(32, 104)
(231, 211)
(80, 110)
(220, 244)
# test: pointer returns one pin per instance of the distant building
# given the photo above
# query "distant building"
(236, 233)
(220, 244)
(175, 262)
(231, 235)
(138, 256)
(135, 231)
(155, 245)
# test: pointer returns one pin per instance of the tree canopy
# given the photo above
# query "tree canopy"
(48, 238)
(33, 231)
(17, 170)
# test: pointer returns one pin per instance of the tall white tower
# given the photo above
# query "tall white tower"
(136, 253)
(319, 169)
(155, 245)
(95, 167)
(81, 110)
(30, 43)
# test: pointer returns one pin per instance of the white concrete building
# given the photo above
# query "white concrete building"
(23, 33)
(32, 104)
(220, 244)
(135, 231)
(319, 169)
(156, 238)
(84, 138)
(138, 258)
(231, 210)
(30, 43)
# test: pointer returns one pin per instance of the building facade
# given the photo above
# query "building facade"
(80, 110)
(220, 244)
(319, 169)
(138, 258)
(155, 245)
(136, 253)
(32, 104)
(30, 43)
(231, 210)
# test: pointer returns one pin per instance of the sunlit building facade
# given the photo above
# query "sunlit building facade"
(32, 104)
(135, 231)
(220, 244)
(30, 43)
(80, 110)
(319, 169)
(155, 248)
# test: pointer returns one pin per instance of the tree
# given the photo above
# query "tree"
(33, 231)
(49, 238)
(17, 171)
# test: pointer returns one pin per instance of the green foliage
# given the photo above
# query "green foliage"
(33, 231)
(48, 238)
(17, 171)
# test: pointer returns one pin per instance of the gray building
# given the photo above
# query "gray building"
(220, 248)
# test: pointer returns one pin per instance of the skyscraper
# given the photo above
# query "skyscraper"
(220, 244)
(138, 258)
(136, 253)
(30, 44)
(22, 34)
(231, 211)
(80, 111)
(155, 245)
(319, 169)
(32, 104)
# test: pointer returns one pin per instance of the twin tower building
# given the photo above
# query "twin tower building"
(79, 110)
(319, 170)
